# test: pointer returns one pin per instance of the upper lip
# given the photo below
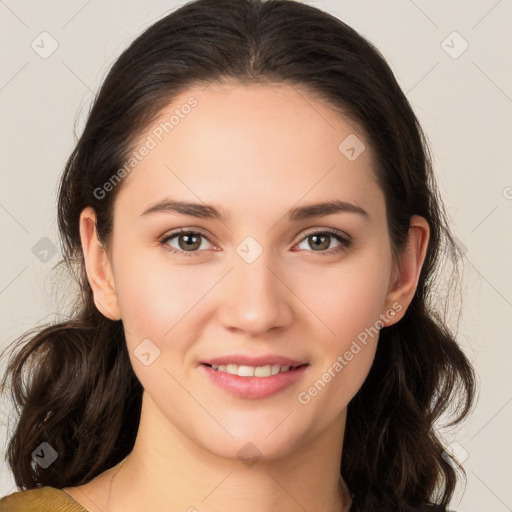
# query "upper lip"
(245, 360)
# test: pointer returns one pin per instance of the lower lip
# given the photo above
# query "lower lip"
(254, 387)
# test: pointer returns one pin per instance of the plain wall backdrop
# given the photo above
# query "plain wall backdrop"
(451, 58)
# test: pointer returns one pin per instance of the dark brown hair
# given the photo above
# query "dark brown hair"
(72, 382)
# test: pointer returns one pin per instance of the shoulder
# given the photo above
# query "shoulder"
(43, 499)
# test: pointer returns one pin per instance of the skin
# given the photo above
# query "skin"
(255, 152)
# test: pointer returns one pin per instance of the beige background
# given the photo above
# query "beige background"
(462, 98)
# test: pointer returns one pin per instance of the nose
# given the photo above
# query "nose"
(255, 298)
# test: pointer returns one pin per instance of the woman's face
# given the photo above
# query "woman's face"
(252, 280)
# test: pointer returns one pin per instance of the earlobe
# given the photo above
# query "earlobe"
(98, 268)
(407, 272)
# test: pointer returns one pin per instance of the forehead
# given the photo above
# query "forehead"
(252, 146)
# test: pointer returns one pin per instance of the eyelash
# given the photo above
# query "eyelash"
(344, 243)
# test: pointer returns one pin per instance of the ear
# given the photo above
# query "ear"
(98, 267)
(406, 272)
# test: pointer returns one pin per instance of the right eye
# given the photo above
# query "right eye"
(189, 242)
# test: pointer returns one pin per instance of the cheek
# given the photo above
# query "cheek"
(348, 306)
(155, 296)
(162, 304)
(348, 298)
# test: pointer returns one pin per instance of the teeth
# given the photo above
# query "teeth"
(252, 371)
(263, 371)
(231, 368)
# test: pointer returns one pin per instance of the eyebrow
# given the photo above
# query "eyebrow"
(204, 211)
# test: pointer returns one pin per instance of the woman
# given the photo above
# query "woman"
(252, 218)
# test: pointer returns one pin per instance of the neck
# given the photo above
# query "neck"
(166, 470)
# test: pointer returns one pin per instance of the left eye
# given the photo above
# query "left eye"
(188, 242)
(322, 239)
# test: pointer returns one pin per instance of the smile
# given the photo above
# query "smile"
(253, 371)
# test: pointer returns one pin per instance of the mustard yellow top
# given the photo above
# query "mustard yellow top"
(49, 499)
(43, 499)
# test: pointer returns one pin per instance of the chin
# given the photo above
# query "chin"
(252, 444)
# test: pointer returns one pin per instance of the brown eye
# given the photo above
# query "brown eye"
(188, 242)
(320, 241)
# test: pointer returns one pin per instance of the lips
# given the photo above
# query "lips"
(253, 381)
